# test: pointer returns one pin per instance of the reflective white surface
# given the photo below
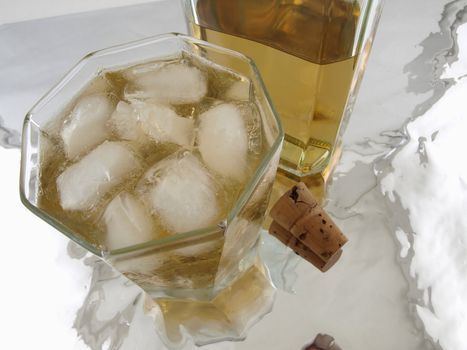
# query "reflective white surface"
(399, 194)
(22, 10)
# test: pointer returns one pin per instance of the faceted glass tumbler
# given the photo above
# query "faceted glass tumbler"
(165, 267)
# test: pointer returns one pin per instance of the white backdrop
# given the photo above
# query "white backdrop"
(21, 10)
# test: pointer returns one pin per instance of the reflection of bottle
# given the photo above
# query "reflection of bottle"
(305, 50)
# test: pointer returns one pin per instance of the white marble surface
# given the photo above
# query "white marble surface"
(399, 193)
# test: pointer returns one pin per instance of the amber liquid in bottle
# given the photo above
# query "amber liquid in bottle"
(304, 51)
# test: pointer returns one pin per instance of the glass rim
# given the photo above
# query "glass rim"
(246, 193)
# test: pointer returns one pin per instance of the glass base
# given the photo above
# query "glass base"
(227, 317)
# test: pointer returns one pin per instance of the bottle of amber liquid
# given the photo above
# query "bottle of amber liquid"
(311, 55)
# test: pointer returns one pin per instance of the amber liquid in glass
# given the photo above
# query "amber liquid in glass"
(304, 51)
(114, 84)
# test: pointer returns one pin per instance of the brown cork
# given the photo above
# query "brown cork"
(323, 342)
(300, 216)
(300, 249)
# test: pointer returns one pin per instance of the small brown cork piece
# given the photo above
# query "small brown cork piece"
(323, 342)
(297, 214)
(300, 249)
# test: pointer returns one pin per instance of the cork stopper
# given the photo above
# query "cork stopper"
(323, 342)
(301, 224)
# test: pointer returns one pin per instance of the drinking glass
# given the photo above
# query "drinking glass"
(162, 267)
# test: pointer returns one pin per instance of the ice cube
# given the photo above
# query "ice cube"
(163, 124)
(86, 126)
(223, 140)
(252, 118)
(183, 195)
(175, 83)
(124, 120)
(138, 71)
(239, 91)
(127, 222)
(81, 185)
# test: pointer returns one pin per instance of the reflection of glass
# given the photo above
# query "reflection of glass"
(162, 267)
(226, 317)
(311, 54)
